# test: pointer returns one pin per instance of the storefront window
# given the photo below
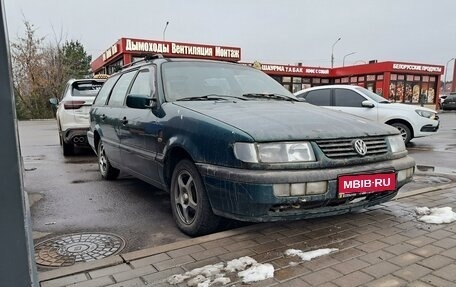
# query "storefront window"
(296, 87)
(325, 81)
(114, 67)
(410, 88)
(296, 80)
(345, 80)
(337, 81)
(286, 79)
(316, 81)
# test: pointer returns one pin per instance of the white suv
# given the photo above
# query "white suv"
(412, 121)
(73, 112)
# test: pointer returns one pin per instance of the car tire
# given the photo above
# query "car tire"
(107, 171)
(405, 131)
(68, 148)
(189, 202)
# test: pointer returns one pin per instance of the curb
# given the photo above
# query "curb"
(134, 255)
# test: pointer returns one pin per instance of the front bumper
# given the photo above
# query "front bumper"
(248, 194)
(425, 128)
(429, 128)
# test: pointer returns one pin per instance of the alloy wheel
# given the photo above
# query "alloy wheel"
(186, 197)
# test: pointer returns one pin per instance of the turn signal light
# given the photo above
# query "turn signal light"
(73, 105)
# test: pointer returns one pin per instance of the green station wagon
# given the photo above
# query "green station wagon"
(226, 140)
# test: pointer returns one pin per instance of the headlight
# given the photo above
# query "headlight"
(396, 143)
(274, 152)
(426, 114)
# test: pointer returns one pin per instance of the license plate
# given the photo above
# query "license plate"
(366, 183)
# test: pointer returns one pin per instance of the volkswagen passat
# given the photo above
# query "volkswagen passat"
(226, 140)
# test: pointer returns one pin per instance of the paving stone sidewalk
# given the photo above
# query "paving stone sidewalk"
(383, 246)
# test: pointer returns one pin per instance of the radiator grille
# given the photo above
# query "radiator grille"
(343, 148)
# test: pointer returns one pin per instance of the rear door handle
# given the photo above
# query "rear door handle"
(103, 117)
(124, 121)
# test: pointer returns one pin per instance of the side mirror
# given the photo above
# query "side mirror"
(140, 102)
(367, 104)
(54, 101)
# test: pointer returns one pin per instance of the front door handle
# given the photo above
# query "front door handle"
(124, 121)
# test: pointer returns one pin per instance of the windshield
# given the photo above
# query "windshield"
(86, 89)
(372, 95)
(205, 80)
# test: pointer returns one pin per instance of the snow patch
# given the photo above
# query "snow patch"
(247, 268)
(211, 275)
(257, 272)
(307, 256)
(239, 264)
(436, 215)
(422, 210)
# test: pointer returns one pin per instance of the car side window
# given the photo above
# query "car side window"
(347, 98)
(119, 92)
(142, 84)
(105, 90)
(319, 97)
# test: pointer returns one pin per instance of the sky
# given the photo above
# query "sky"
(276, 32)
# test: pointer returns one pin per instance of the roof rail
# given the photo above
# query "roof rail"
(145, 59)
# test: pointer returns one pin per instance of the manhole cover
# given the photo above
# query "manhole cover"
(70, 249)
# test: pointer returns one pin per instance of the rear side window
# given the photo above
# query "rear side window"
(347, 98)
(319, 97)
(105, 90)
(119, 92)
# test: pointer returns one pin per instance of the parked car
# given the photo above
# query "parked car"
(72, 112)
(412, 121)
(226, 140)
(441, 99)
(450, 102)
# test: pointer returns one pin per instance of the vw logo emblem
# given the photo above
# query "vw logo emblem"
(360, 147)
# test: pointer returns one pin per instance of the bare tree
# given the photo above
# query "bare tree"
(40, 71)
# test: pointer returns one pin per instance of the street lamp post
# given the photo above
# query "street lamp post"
(164, 30)
(332, 52)
(446, 71)
(343, 61)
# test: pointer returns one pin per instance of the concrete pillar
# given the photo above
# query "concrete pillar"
(17, 264)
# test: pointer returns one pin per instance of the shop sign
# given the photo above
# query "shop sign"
(110, 52)
(293, 69)
(173, 48)
(421, 68)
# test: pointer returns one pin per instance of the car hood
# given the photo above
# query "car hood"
(278, 121)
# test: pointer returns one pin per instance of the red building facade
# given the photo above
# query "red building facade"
(396, 81)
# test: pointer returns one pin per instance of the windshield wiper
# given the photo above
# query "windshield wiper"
(210, 97)
(271, 96)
